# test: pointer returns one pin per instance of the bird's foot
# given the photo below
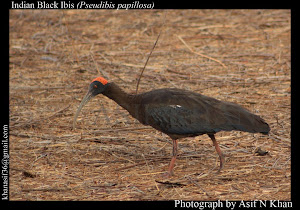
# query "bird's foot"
(222, 162)
(167, 174)
(219, 170)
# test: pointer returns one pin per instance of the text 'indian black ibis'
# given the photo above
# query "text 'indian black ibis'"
(179, 113)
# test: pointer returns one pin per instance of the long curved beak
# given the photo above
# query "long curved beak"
(84, 101)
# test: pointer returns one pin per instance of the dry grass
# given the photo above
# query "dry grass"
(110, 156)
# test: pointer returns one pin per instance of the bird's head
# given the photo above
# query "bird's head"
(97, 86)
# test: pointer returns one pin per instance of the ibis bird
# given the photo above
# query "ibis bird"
(179, 113)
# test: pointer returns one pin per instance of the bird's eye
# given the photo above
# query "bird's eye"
(95, 86)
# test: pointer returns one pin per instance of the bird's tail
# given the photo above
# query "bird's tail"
(243, 120)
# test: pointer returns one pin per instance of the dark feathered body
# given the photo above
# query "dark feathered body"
(181, 113)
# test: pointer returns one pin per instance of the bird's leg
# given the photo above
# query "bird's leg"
(172, 162)
(221, 156)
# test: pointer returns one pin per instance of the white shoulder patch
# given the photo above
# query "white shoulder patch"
(175, 106)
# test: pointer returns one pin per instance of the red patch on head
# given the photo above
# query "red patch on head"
(100, 79)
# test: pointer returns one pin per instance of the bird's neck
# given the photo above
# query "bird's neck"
(125, 100)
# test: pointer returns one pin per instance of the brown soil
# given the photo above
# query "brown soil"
(241, 56)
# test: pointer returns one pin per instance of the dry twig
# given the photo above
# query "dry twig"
(205, 56)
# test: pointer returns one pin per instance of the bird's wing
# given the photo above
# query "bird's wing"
(184, 112)
(178, 119)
